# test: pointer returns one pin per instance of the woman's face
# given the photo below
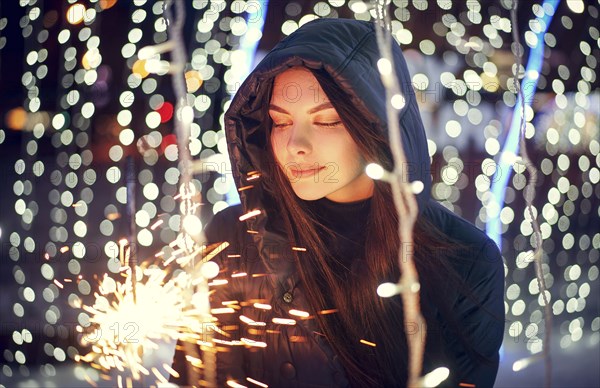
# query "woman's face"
(311, 144)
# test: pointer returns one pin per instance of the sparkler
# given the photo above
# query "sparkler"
(123, 328)
(152, 309)
(131, 215)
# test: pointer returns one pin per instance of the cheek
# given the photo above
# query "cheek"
(350, 154)
(276, 146)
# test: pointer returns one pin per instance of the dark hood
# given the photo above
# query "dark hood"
(347, 50)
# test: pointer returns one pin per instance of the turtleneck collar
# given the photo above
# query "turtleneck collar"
(343, 205)
(347, 219)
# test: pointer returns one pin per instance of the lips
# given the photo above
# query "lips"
(307, 172)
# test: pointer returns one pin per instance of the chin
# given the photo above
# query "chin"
(309, 195)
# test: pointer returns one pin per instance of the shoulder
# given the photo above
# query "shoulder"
(480, 263)
(224, 224)
(480, 250)
(482, 320)
(242, 252)
(454, 226)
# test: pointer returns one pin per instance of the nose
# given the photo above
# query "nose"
(299, 142)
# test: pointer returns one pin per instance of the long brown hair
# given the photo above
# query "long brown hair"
(362, 314)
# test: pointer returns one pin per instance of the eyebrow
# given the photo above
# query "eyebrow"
(320, 107)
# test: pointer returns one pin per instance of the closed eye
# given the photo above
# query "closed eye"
(328, 125)
(334, 124)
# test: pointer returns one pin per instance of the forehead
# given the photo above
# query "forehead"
(295, 85)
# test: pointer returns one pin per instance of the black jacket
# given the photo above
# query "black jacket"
(298, 355)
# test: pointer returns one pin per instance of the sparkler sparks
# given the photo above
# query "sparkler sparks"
(122, 330)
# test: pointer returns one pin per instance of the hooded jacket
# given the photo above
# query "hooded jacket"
(258, 264)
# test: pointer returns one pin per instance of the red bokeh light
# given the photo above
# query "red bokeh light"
(165, 111)
(168, 140)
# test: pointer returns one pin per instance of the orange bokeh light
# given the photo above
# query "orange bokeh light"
(75, 13)
(139, 68)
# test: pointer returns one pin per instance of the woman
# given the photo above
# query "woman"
(303, 273)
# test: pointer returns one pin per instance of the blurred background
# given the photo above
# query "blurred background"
(76, 100)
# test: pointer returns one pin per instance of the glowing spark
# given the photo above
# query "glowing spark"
(299, 249)
(362, 341)
(231, 343)
(218, 282)
(144, 370)
(253, 175)
(156, 224)
(262, 306)
(234, 384)
(127, 256)
(239, 274)
(284, 321)
(185, 260)
(160, 377)
(122, 244)
(330, 311)
(299, 313)
(216, 251)
(89, 380)
(250, 214)
(245, 187)
(171, 371)
(193, 360)
(64, 249)
(250, 321)
(58, 283)
(222, 310)
(249, 342)
(256, 382)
